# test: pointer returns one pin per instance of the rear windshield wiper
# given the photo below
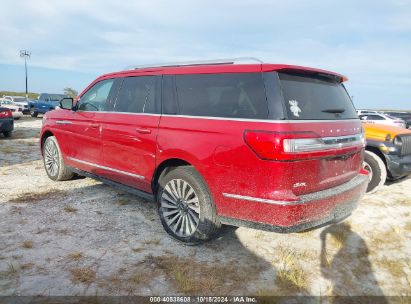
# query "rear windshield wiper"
(334, 111)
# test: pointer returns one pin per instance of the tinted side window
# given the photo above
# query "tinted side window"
(95, 98)
(375, 117)
(239, 95)
(137, 95)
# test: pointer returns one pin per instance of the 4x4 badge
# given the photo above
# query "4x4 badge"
(294, 107)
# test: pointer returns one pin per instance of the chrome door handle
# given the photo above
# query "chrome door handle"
(143, 131)
(94, 126)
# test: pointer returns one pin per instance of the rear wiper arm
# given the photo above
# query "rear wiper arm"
(335, 111)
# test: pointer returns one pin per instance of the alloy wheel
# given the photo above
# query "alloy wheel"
(51, 158)
(180, 207)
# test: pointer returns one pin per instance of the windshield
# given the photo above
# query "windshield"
(54, 97)
(19, 99)
(314, 97)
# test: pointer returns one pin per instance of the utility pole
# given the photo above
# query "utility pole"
(25, 54)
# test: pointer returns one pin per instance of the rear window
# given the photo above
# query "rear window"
(237, 95)
(308, 97)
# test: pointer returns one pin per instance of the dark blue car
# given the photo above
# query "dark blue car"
(46, 102)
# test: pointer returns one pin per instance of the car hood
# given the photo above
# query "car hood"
(380, 131)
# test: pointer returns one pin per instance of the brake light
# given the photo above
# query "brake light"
(299, 145)
(5, 113)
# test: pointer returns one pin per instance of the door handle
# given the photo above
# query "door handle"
(143, 131)
(94, 126)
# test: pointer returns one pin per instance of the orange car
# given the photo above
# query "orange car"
(387, 154)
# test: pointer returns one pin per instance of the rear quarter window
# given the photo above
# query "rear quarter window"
(315, 98)
(237, 95)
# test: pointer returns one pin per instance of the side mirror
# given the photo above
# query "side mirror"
(66, 103)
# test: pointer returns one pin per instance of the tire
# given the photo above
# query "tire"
(53, 161)
(33, 113)
(376, 169)
(7, 134)
(186, 207)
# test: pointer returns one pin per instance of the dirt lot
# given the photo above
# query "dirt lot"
(84, 238)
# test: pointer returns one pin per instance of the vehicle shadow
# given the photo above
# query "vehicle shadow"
(349, 269)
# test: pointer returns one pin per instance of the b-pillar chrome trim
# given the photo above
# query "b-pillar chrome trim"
(63, 122)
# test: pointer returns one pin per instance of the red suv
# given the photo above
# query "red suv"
(263, 145)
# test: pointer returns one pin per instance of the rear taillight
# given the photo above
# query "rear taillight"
(5, 113)
(299, 145)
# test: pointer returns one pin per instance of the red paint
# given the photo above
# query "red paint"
(139, 143)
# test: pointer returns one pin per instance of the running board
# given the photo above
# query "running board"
(139, 193)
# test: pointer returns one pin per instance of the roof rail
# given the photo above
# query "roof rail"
(198, 62)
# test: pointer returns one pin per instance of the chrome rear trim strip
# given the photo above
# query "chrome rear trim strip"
(256, 199)
(106, 168)
(307, 198)
(63, 122)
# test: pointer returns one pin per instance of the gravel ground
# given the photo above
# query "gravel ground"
(84, 238)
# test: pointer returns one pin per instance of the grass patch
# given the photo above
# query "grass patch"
(70, 209)
(407, 227)
(394, 267)
(11, 270)
(27, 244)
(30, 197)
(84, 275)
(190, 276)
(138, 249)
(291, 276)
(26, 266)
(123, 201)
(404, 202)
(8, 149)
(75, 256)
(151, 242)
(383, 239)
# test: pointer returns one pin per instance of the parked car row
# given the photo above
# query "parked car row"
(398, 119)
(17, 111)
(20, 105)
(387, 153)
(6, 121)
(45, 102)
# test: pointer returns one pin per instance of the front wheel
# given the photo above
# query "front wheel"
(377, 172)
(7, 134)
(53, 161)
(186, 207)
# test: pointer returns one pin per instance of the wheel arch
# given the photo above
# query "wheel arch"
(377, 151)
(164, 167)
(44, 136)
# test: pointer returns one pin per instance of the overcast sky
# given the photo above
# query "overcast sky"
(72, 42)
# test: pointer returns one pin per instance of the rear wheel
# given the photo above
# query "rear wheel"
(53, 161)
(186, 207)
(377, 172)
(33, 112)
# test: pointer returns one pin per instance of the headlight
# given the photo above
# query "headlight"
(398, 141)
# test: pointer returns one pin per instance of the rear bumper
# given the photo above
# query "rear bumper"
(6, 125)
(17, 114)
(398, 166)
(312, 210)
